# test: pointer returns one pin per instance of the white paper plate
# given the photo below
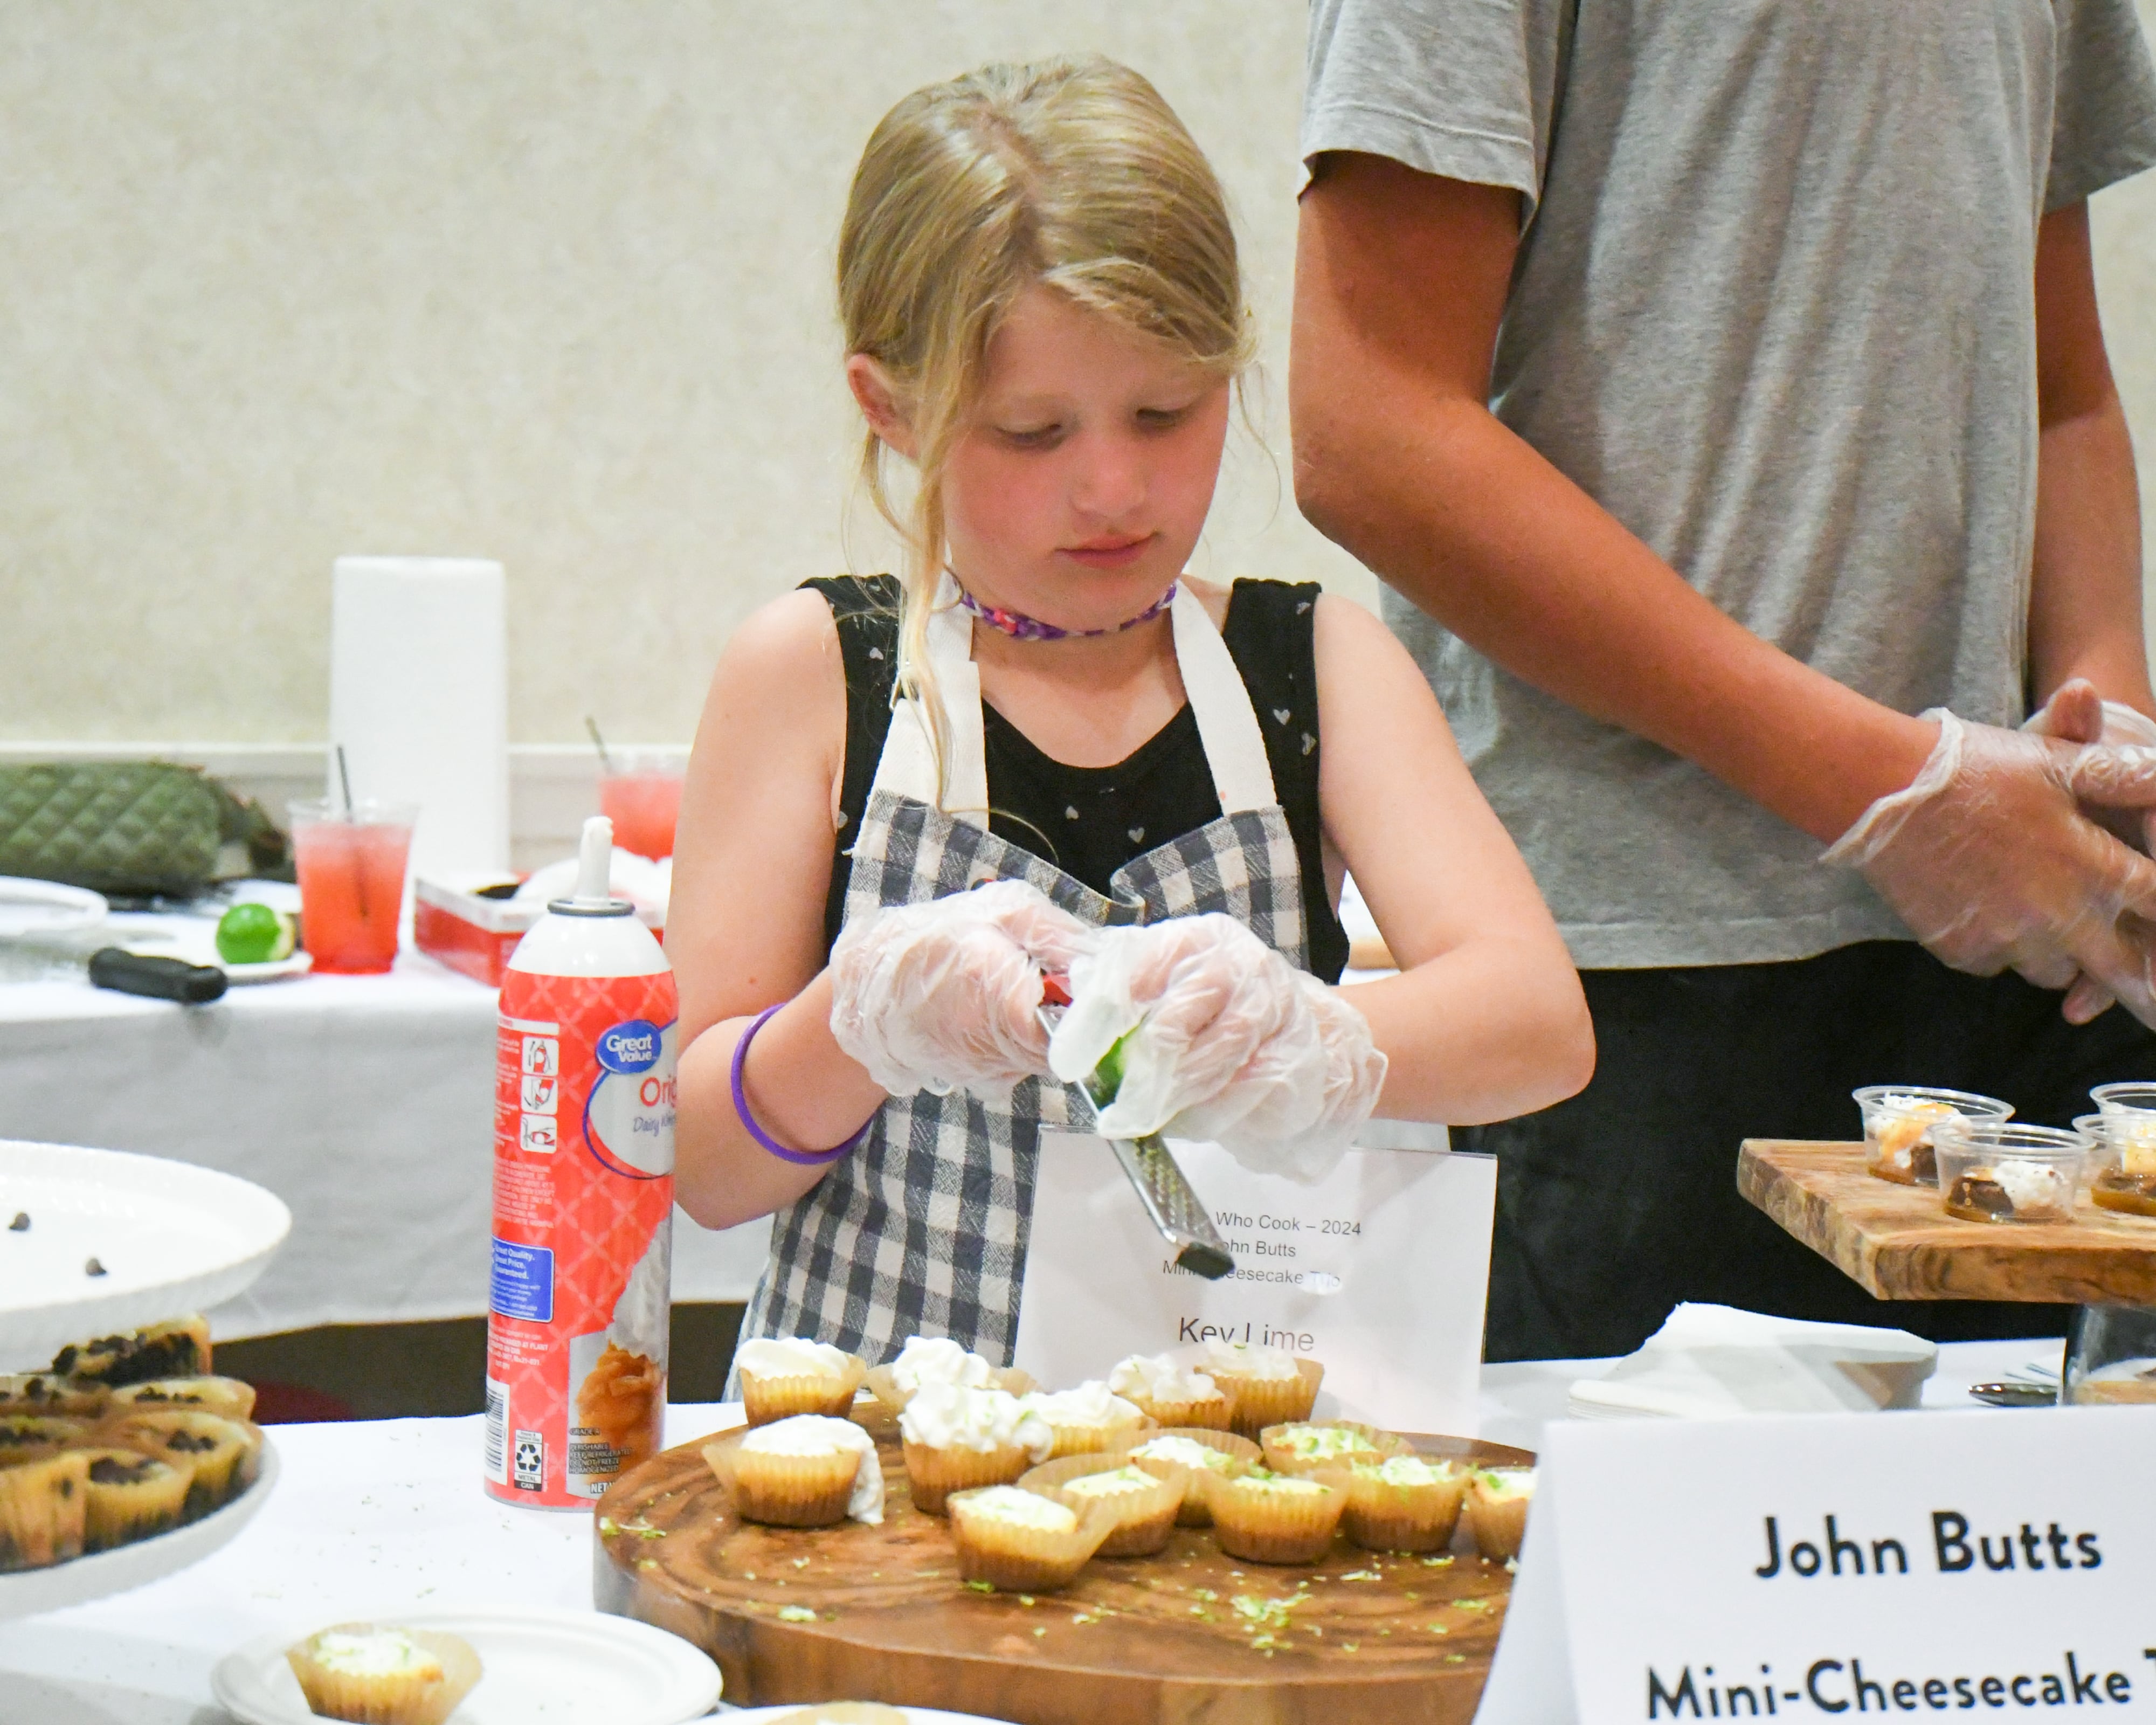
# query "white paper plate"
(576, 1667)
(276, 970)
(914, 1716)
(46, 907)
(172, 1238)
(114, 1572)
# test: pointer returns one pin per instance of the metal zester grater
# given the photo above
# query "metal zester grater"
(1174, 1208)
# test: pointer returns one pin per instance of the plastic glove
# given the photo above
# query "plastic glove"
(1988, 858)
(1222, 1039)
(946, 996)
(2077, 713)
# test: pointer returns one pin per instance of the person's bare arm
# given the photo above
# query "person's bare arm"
(745, 926)
(1486, 1019)
(2085, 595)
(1400, 281)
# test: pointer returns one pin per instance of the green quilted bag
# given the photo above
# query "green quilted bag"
(133, 828)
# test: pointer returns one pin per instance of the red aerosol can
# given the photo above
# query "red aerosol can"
(583, 1198)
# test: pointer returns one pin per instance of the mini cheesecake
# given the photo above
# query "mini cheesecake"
(1170, 1395)
(1304, 1447)
(1191, 1455)
(1403, 1503)
(1146, 1503)
(177, 1349)
(1267, 1518)
(43, 1393)
(43, 1503)
(784, 1376)
(1264, 1386)
(220, 1456)
(130, 1497)
(1020, 1542)
(376, 1674)
(228, 1396)
(1497, 1502)
(807, 1470)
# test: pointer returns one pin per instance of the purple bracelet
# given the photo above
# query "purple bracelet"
(807, 1158)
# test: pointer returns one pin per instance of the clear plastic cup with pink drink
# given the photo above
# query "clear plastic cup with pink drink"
(351, 864)
(640, 793)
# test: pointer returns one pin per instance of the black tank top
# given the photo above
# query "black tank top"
(1089, 821)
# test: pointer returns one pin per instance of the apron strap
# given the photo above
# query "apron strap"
(1227, 722)
(907, 765)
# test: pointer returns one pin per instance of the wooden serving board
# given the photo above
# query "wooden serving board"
(1189, 1637)
(1896, 1241)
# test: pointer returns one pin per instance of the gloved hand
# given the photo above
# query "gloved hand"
(1226, 1041)
(1987, 857)
(2077, 713)
(946, 996)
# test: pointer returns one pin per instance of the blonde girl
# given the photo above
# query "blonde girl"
(1044, 749)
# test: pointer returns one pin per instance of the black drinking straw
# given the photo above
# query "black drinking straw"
(344, 778)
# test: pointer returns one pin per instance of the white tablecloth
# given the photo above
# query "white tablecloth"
(366, 1103)
(381, 1517)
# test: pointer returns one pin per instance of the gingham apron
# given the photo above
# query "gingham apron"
(923, 1229)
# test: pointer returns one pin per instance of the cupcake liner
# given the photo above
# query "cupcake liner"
(1213, 1412)
(219, 1455)
(1262, 1527)
(32, 1434)
(1021, 1559)
(785, 1491)
(781, 1398)
(1255, 1403)
(1381, 1516)
(43, 1504)
(1197, 1510)
(228, 1396)
(408, 1698)
(1095, 1440)
(1281, 1458)
(1499, 1525)
(119, 1511)
(1144, 1519)
(931, 1476)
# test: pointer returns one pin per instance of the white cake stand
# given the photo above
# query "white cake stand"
(170, 1238)
(82, 1579)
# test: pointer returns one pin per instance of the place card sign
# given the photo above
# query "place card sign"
(1844, 1567)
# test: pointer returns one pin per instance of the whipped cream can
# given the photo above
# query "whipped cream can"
(584, 1198)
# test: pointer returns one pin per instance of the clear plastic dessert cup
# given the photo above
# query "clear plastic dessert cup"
(1898, 1119)
(2121, 1165)
(2007, 1171)
(2137, 1097)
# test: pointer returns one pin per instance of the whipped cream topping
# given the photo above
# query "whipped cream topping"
(1283, 1485)
(1156, 1377)
(1322, 1443)
(1020, 1509)
(1503, 1482)
(1092, 1403)
(1405, 1470)
(820, 1434)
(1184, 1452)
(938, 1360)
(372, 1653)
(1113, 1482)
(2032, 1185)
(950, 1416)
(791, 1357)
(1255, 1361)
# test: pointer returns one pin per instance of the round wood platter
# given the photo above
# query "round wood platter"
(1189, 1637)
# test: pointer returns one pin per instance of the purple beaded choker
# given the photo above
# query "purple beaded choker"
(1021, 627)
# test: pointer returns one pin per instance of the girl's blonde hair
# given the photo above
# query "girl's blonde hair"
(1072, 174)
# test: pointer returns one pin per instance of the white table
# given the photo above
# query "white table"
(366, 1103)
(379, 1517)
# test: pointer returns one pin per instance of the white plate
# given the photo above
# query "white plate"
(174, 1239)
(577, 1667)
(914, 1716)
(46, 907)
(115, 1572)
(275, 971)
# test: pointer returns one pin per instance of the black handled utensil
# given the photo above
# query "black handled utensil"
(159, 978)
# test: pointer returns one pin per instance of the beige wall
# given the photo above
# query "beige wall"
(546, 282)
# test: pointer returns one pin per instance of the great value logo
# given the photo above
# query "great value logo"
(630, 1047)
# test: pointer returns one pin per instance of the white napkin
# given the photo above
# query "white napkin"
(1716, 1363)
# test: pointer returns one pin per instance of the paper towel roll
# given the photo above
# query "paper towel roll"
(419, 698)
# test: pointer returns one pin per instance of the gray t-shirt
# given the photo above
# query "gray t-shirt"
(1772, 309)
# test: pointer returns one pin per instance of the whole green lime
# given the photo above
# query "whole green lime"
(254, 934)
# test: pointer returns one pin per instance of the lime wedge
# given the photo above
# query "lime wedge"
(254, 934)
